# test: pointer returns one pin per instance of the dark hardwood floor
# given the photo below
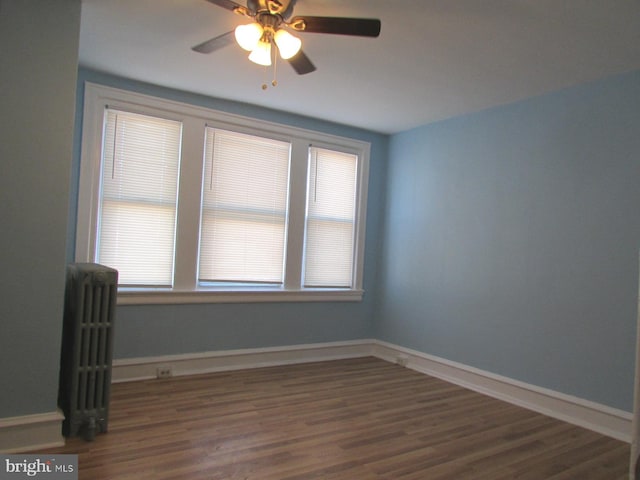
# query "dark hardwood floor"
(360, 419)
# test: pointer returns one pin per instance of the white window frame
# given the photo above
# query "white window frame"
(195, 119)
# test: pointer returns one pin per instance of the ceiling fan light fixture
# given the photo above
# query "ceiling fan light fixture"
(248, 36)
(288, 45)
(273, 26)
(261, 54)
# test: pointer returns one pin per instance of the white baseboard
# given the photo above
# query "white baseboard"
(191, 364)
(28, 433)
(593, 416)
(41, 431)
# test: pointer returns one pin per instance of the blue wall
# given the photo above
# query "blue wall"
(38, 68)
(160, 330)
(511, 240)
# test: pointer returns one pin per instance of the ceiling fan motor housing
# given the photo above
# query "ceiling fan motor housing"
(283, 8)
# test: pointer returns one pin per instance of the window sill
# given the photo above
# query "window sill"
(170, 297)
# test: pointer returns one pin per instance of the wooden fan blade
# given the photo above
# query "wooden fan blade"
(215, 43)
(360, 27)
(301, 63)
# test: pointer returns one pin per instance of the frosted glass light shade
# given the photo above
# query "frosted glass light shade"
(288, 45)
(261, 54)
(248, 36)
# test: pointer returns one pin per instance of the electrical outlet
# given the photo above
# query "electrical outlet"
(402, 360)
(164, 372)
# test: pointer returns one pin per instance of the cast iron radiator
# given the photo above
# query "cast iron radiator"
(87, 346)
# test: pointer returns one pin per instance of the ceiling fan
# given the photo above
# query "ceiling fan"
(271, 25)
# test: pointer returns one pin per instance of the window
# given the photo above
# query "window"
(244, 209)
(330, 220)
(194, 205)
(138, 197)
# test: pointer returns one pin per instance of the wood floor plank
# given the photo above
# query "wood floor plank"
(357, 419)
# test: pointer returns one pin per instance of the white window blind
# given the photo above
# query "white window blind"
(139, 183)
(330, 218)
(244, 208)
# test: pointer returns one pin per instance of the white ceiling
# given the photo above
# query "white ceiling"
(434, 59)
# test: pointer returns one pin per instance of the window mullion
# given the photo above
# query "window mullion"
(89, 184)
(361, 213)
(297, 205)
(189, 195)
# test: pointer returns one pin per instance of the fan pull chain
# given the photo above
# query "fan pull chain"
(274, 62)
(274, 82)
